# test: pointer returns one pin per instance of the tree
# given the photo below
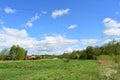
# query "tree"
(90, 52)
(3, 54)
(65, 55)
(83, 54)
(13, 52)
(74, 55)
(17, 53)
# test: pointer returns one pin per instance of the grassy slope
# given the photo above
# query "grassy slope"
(49, 70)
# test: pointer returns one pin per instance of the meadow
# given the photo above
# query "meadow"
(55, 70)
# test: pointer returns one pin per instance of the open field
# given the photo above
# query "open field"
(51, 70)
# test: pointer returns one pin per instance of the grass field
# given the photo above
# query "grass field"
(51, 70)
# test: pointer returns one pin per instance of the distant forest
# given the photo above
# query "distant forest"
(111, 48)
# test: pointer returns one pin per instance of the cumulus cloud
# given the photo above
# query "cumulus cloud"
(61, 12)
(89, 42)
(55, 43)
(9, 10)
(107, 40)
(72, 48)
(72, 26)
(50, 44)
(112, 27)
(30, 22)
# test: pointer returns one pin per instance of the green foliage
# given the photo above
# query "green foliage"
(17, 53)
(90, 52)
(65, 55)
(65, 60)
(3, 54)
(74, 55)
(105, 57)
(117, 58)
(83, 54)
(111, 48)
(13, 52)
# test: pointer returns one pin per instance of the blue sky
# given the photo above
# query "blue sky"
(54, 27)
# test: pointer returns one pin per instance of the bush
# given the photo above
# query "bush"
(65, 60)
(117, 59)
(105, 59)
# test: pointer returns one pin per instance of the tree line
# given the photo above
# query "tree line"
(15, 53)
(111, 48)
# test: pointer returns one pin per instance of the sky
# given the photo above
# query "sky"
(57, 26)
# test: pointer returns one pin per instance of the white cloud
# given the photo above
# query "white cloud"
(9, 10)
(112, 32)
(13, 36)
(1, 21)
(72, 48)
(57, 13)
(89, 42)
(44, 12)
(50, 44)
(30, 22)
(34, 18)
(112, 27)
(107, 40)
(56, 42)
(72, 26)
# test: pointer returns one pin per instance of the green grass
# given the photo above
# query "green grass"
(105, 57)
(50, 70)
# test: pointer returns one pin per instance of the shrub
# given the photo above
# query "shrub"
(105, 59)
(117, 59)
(65, 60)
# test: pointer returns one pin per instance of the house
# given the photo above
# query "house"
(31, 57)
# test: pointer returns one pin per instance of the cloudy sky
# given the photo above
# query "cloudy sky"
(57, 26)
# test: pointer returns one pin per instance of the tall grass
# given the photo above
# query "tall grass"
(105, 59)
(117, 58)
(109, 59)
(55, 70)
(49, 70)
(111, 65)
